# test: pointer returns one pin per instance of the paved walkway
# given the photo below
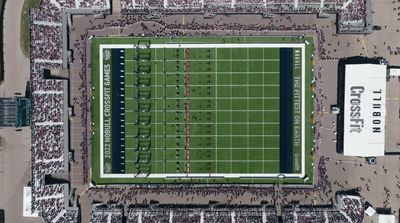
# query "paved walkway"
(116, 6)
(15, 153)
(16, 65)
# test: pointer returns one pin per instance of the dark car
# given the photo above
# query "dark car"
(376, 28)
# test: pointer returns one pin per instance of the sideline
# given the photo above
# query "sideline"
(204, 45)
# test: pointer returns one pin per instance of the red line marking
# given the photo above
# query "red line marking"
(187, 106)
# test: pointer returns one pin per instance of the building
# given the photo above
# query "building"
(385, 218)
(14, 112)
(361, 122)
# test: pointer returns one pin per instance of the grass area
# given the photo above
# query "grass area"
(28, 4)
(234, 110)
(234, 99)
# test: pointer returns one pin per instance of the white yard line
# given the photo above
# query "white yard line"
(175, 110)
(230, 104)
(206, 160)
(247, 101)
(210, 123)
(155, 94)
(219, 98)
(220, 72)
(101, 92)
(219, 60)
(216, 110)
(205, 175)
(207, 45)
(212, 85)
(242, 135)
(186, 103)
(263, 104)
(223, 148)
(303, 109)
(164, 117)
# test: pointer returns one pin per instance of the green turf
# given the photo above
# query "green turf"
(28, 4)
(234, 108)
(234, 111)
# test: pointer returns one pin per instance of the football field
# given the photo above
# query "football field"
(201, 110)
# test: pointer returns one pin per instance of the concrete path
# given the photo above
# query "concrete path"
(15, 153)
(116, 7)
(16, 65)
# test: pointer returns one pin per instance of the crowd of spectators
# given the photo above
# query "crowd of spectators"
(183, 4)
(49, 125)
(352, 14)
(83, 102)
(307, 214)
(209, 214)
(346, 209)
(323, 184)
(155, 216)
(235, 26)
(106, 213)
(42, 86)
(188, 215)
(47, 40)
(129, 194)
(249, 215)
(215, 215)
(352, 207)
(50, 100)
(48, 119)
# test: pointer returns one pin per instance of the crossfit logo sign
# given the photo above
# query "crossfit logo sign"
(356, 113)
(356, 122)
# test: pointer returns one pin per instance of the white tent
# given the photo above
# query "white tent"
(370, 211)
(364, 110)
(386, 218)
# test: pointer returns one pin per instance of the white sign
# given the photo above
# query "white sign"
(365, 111)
